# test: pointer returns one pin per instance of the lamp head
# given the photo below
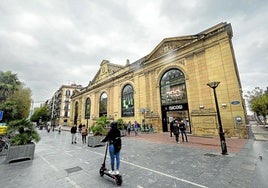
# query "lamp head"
(213, 85)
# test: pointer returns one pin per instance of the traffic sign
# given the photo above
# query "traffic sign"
(1, 114)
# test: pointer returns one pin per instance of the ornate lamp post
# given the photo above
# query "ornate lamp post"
(213, 85)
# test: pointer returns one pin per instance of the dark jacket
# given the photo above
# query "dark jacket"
(176, 128)
(114, 137)
(182, 126)
(73, 129)
(171, 124)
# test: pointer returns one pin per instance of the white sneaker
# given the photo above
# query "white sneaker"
(116, 172)
(111, 172)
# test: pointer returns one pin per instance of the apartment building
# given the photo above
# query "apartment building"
(60, 104)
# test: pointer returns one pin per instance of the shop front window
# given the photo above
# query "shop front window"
(173, 90)
(127, 101)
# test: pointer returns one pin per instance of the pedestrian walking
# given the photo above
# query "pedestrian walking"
(80, 127)
(136, 128)
(59, 129)
(114, 139)
(84, 134)
(171, 127)
(128, 128)
(48, 128)
(73, 132)
(176, 131)
(183, 131)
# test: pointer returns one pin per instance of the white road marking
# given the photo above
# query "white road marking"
(157, 172)
(56, 169)
(52, 166)
(68, 154)
(167, 175)
(72, 182)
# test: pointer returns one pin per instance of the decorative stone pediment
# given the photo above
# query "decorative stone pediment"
(106, 69)
(168, 45)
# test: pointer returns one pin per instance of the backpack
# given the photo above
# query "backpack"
(117, 144)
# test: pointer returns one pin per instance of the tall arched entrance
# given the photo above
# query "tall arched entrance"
(174, 103)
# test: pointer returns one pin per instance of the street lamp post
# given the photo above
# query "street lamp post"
(87, 117)
(213, 85)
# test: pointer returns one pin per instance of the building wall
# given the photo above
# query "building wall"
(58, 103)
(203, 59)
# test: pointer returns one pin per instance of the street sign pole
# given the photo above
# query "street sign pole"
(1, 115)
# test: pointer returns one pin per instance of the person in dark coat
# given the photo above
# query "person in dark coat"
(183, 131)
(171, 127)
(114, 139)
(73, 132)
(176, 130)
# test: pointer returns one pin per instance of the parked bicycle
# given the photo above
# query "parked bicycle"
(4, 145)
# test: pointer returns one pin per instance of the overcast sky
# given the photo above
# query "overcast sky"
(48, 43)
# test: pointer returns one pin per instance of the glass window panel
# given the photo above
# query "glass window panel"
(127, 101)
(173, 90)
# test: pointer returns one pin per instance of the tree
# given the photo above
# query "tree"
(258, 103)
(42, 114)
(8, 84)
(10, 110)
(22, 98)
(15, 99)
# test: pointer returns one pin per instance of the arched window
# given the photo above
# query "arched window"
(87, 108)
(173, 90)
(103, 105)
(127, 101)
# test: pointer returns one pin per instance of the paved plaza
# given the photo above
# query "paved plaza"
(147, 160)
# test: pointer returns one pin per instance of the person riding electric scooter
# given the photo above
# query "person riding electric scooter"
(114, 143)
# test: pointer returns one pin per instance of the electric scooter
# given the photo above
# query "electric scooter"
(103, 170)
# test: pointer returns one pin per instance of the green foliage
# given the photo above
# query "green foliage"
(22, 97)
(258, 102)
(22, 132)
(10, 110)
(42, 113)
(15, 100)
(103, 121)
(99, 129)
(8, 84)
(120, 124)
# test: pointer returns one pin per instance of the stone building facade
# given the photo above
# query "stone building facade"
(60, 104)
(170, 82)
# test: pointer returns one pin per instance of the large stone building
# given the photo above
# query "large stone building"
(170, 82)
(60, 104)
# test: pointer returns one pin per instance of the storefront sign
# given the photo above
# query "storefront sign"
(176, 107)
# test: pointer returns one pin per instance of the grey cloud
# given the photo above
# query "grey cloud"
(53, 42)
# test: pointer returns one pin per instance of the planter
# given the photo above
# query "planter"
(21, 152)
(123, 132)
(94, 141)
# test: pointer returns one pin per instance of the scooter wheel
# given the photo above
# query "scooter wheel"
(119, 180)
(101, 172)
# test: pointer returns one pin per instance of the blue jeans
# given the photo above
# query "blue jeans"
(113, 156)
